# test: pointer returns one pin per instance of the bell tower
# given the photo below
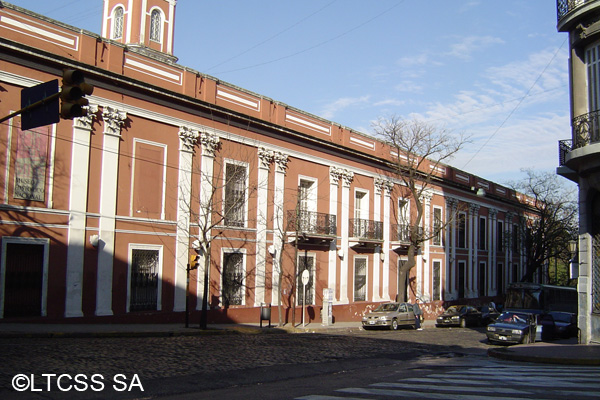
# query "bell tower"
(144, 26)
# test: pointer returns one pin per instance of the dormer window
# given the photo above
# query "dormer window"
(117, 31)
(155, 25)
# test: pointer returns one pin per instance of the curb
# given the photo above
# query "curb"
(511, 355)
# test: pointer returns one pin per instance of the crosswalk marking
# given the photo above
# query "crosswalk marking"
(477, 380)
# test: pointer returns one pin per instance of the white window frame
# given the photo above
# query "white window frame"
(142, 246)
(438, 239)
(465, 233)
(246, 185)
(361, 212)
(311, 201)
(117, 22)
(152, 34)
(366, 259)
(243, 252)
(592, 62)
(312, 274)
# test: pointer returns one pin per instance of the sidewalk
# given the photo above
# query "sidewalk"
(557, 352)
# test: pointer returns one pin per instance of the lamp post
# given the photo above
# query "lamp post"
(573, 250)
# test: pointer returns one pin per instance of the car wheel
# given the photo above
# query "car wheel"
(463, 323)
(394, 325)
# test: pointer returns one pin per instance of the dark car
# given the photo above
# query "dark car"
(558, 325)
(488, 313)
(512, 328)
(390, 315)
(462, 316)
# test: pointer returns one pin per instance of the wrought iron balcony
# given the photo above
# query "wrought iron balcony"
(564, 147)
(366, 229)
(311, 223)
(586, 129)
(563, 7)
(402, 233)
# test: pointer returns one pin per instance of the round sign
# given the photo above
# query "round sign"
(305, 277)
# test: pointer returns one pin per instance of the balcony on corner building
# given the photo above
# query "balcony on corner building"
(579, 155)
(569, 12)
(365, 233)
(312, 228)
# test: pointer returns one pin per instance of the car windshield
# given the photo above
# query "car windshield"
(455, 309)
(512, 318)
(387, 307)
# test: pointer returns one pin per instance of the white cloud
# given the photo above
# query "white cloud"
(471, 44)
(330, 110)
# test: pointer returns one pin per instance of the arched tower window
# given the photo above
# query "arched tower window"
(117, 23)
(155, 25)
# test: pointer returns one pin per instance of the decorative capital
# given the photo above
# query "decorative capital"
(188, 138)
(379, 184)
(347, 178)
(451, 203)
(426, 197)
(113, 120)
(493, 212)
(473, 208)
(265, 158)
(210, 143)
(281, 161)
(389, 187)
(87, 120)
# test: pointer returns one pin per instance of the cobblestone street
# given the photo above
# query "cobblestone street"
(214, 360)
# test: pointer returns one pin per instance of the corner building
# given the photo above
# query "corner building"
(579, 156)
(101, 215)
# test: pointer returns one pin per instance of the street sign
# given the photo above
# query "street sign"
(305, 277)
(44, 113)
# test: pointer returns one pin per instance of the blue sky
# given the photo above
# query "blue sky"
(495, 70)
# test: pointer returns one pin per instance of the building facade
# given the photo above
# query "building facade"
(579, 157)
(105, 216)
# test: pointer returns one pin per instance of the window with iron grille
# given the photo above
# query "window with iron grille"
(437, 227)
(118, 23)
(500, 236)
(462, 230)
(596, 274)
(305, 262)
(437, 266)
(143, 294)
(233, 279)
(155, 25)
(482, 233)
(360, 279)
(235, 195)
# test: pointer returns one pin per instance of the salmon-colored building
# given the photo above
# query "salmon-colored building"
(101, 215)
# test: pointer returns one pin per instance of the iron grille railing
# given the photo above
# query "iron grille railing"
(144, 280)
(586, 129)
(366, 229)
(596, 274)
(563, 7)
(564, 147)
(402, 233)
(312, 222)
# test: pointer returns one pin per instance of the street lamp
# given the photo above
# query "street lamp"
(574, 263)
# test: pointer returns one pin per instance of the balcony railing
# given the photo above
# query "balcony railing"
(403, 233)
(312, 223)
(563, 7)
(586, 129)
(366, 229)
(564, 147)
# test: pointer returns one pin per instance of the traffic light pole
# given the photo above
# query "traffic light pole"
(32, 106)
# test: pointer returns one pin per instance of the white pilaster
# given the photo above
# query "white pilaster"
(265, 157)
(281, 161)
(187, 141)
(387, 201)
(376, 288)
(334, 180)
(210, 144)
(113, 120)
(78, 195)
(347, 178)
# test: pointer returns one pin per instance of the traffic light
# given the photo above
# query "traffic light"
(194, 261)
(72, 94)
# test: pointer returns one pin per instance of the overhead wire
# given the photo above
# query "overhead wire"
(510, 114)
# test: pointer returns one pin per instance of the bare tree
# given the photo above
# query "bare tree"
(420, 149)
(553, 221)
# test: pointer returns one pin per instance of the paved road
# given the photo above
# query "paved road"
(476, 379)
(78, 368)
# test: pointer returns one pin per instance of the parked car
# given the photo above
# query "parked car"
(512, 328)
(462, 316)
(391, 316)
(557, 325)
(488, 313)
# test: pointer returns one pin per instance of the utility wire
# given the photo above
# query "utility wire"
(316, 45)
(518, 104)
